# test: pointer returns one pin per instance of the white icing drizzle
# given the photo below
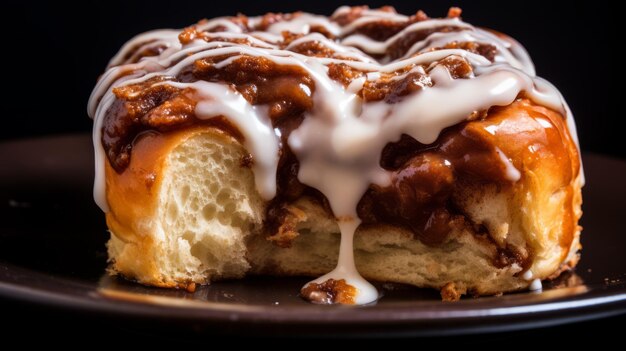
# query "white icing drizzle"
(302, 25)
(345, 51)
(339, 142)
(268, 37)
(167, 37)
(366, 12)
(440, 39)
(220, 22)
(372, 16)
(512, 173)
(252, 39)
(528, 275)
(535, 285)
(346, 269)
(377, 47)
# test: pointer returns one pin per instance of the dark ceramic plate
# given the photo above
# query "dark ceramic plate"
(52, 253)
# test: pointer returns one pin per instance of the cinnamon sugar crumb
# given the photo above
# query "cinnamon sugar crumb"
(449, 293)
(330, 292)
(421, 16)
(454, 12)
(246, 161)
(289, 217)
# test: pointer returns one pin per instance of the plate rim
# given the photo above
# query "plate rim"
(603, 302)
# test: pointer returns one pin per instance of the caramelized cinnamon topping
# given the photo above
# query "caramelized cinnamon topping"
(449, 293)
(329, 292)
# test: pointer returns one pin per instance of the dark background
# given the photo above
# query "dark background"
(54, 52)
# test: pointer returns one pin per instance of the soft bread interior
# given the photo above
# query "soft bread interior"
(206, 206)
(386, 253)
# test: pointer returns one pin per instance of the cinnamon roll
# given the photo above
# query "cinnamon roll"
(364, 146)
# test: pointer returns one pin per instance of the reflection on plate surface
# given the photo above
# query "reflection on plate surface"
(52, 252)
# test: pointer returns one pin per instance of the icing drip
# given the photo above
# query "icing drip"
(339, 143)
(535, 285)
(346, 269)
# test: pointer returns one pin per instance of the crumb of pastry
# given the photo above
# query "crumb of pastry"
(330, 292)
(450, 293)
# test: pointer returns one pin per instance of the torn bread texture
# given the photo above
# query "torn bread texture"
(186, 212)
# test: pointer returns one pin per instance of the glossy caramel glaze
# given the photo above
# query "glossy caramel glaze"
(426, 176)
